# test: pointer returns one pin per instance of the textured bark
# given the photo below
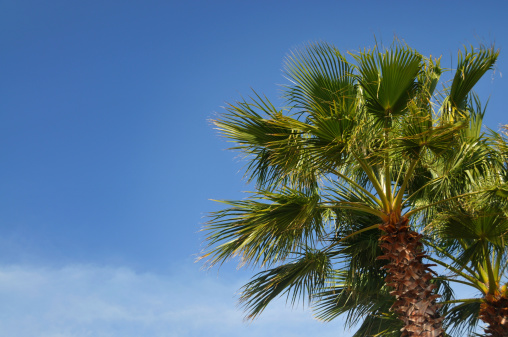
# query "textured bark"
(415, 298)
(494, 312)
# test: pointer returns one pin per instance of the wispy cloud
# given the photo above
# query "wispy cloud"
(85, 300)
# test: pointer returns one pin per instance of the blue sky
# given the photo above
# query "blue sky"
(108, 158)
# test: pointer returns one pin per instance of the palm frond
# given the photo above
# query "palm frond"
(469, 232)
(321, 81)
(266, 228)
(472, 65)
(389, 79)
(380, 325)
(462, 319)
(275, 150)
(298, 280)
(355, 298)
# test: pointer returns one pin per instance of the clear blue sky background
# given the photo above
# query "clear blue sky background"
(108, 159)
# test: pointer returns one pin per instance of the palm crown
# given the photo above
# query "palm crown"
(364, 153)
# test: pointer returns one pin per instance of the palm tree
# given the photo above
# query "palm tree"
(471, 242)
(341, 161)
(474, 243)
(468, 238)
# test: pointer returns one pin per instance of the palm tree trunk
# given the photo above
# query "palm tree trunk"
(494, 312)
(415, 298)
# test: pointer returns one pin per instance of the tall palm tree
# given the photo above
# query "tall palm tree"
(338, 162)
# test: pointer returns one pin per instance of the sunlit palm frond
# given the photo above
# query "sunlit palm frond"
(389, 79)
(266, 228)
(418, 134)
(472, 65)
(428, 79)
(475, 111)
(275, 150)
(469, 168)
(325, 140)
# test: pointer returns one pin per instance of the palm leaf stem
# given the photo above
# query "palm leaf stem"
(398, 198)
(458, 281)
(474, 282)
(490, 272)
(464, 300)
(388, 178)
(416, 210)
(451, 257)
(351, 235)
(360, 187)
(357, 207)
(398, 178)
(484, 275)
(497, 264)
(375, 182)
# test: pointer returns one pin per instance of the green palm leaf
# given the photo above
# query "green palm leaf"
(297, 280)
(267, 227)
(321, 81)
(472, 65)
(274, 149)
(389, 79)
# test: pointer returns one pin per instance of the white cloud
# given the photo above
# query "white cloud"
(85, 300)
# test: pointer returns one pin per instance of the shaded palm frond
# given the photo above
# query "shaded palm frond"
(355, 298)
(321, 81)
(462, 319)
(297, 279)
(379, 325)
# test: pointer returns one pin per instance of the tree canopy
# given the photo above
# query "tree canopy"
(366, 174)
